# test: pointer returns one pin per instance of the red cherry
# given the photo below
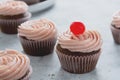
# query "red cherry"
(77, 28)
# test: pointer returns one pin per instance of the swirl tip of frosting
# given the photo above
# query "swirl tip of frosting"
(13, 65)
(40, 29)
(116, 19)
(11, 7)
(9, 51)
(87, 42)
(12, 3)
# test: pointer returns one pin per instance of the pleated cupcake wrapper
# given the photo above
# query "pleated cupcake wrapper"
(78, 64)
(116, 34)
(27, 77)
(38, 48)
(9, 26)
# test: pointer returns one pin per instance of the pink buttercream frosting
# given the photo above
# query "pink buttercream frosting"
(116, 19)
(37, 29)
(13, 65)
(87, 42)
(11, 7)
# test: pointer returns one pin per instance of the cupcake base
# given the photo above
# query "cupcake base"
(9, 24)
(77, 62)
(116, 34)
(28, 74)
(38, 48)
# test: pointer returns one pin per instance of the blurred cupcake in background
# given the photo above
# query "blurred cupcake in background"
(12, 14)
(29, 2)
(14, 65)
(38, 37)
(78, 49)
(115, 27)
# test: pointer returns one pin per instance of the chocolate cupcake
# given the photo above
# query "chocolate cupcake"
(37, 37)
(12, 14)
(115, 27)
(29, 2)
(79, 50)
(14, 65)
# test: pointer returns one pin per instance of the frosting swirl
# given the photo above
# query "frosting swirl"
(13, 65)
(87, 42)
(116, 19)
(11, 7)
(37, 30)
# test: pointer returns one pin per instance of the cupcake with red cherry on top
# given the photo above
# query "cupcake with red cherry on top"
(79, 49)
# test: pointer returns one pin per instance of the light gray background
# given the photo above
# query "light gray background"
(96, 14)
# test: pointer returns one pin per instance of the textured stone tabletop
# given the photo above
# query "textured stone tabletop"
(96, 14)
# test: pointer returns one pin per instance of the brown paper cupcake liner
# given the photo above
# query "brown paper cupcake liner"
(116, 34)
(9, 26)
(27, 77)
(78, 64)
(38, 48)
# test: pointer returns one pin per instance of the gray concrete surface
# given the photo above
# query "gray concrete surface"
(96, 14)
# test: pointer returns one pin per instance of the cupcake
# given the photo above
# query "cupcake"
(12, 14)
(37, 37)
(79, 50)
(14, 65)
(115, 27)
(29, 2)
